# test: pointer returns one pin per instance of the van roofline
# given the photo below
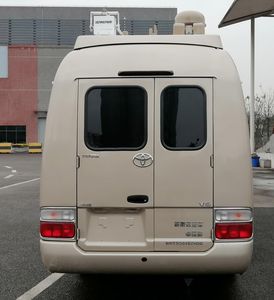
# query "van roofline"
(88, 41)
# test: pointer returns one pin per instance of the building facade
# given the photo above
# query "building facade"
(33, 41)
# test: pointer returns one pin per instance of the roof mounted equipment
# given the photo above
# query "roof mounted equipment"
(105, 22)
(189, 22)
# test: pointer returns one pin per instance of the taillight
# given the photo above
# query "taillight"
(226, 215)
(231, 224)
(57, 223)
(57, 230)
(233, 231)
(54, 214)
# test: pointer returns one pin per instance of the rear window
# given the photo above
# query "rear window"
(115, 118)
(183, 118)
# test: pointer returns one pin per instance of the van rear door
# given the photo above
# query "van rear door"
(183, 164)
(145, 181)
(115, 177)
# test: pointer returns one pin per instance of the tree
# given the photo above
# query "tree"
(263, 116)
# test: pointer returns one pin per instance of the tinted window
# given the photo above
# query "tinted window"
(183, 118)
(13, 134)
(115, 117)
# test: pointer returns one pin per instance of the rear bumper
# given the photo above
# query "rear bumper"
(67, 257)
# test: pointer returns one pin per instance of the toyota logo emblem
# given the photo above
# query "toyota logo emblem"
(142, 160)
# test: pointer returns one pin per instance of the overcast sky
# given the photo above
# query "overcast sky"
(236, 38)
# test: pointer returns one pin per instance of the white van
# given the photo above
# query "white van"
(146, 163)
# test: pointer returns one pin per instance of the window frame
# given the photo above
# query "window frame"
(162, 119)
(97, 149)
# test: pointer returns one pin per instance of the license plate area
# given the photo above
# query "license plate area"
(115, 229)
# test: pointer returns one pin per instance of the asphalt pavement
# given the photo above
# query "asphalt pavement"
(263, 187)
(22, 269)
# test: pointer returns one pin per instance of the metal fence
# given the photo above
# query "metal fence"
(42, 32)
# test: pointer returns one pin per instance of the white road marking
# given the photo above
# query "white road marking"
(13, 171)
(19, 183)
(41, 286)
(9, 176)
(8, 167)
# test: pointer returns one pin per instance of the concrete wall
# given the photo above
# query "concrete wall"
(18, 92)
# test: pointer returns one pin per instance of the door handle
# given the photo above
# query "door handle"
(139, 199)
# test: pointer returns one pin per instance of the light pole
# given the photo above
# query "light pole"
(252, 86)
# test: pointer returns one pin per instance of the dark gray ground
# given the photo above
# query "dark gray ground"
(263, 184)
(21, 267)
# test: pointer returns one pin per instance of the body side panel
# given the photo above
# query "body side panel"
(232, 165)
(58, 178)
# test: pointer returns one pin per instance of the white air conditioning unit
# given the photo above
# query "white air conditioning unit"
(189, 22)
